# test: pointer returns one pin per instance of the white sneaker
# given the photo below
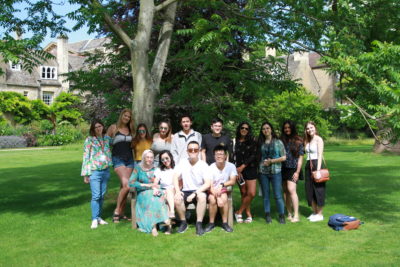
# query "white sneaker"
(317, 218)
(101, 221)
(311, 216)
(94, 224)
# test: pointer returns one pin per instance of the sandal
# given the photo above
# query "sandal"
(248, 220)
(238, 218)
(295, 219)
(116, 218)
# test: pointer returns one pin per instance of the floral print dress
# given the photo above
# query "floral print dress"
(150, 209)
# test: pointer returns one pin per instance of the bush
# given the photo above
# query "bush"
(66, 134)
(12, 142)
(30, 139)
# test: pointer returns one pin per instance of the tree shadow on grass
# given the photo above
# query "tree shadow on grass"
(44, 189)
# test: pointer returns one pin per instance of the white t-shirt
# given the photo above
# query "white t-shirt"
(222, 176)
(193, 177)
(165, 177)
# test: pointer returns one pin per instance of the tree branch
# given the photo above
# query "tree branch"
(113, 26)
(164, 5)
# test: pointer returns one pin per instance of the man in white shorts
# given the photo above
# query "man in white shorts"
(223, 175)
(196, 180)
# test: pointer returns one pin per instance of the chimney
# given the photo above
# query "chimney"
(62, 60)
(270, 51)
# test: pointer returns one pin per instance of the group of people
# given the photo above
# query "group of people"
(170, 171)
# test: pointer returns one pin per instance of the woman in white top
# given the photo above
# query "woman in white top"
(165, 176)
(315, 192)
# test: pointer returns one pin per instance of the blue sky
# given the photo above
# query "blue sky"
(63, 7)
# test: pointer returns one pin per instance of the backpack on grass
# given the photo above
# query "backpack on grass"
(343, 222)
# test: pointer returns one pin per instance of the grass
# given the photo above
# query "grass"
(45, 219)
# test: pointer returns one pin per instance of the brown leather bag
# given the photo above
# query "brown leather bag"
(351, 225)
(324, 173)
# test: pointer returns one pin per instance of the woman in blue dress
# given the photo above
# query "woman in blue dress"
(150, 206)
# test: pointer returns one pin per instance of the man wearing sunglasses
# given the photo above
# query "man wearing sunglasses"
(182, 138)
(196, 180)
(213, 139)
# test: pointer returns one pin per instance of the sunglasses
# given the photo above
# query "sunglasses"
(193, 150)
(163, 128)
(165, 159)
(244, 128)
(141, 131)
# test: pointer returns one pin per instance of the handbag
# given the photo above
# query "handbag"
(324, 173)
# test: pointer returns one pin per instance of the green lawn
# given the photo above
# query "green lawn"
(45, 220)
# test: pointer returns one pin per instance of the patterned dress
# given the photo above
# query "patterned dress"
(150, 209)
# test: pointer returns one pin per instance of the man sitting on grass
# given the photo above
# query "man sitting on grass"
(223, 175)
(195, 183)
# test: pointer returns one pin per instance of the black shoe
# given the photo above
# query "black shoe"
(199, 228)
(268, 218)
(227, 228)
(282, 218)
(209, 227)
(183, 227)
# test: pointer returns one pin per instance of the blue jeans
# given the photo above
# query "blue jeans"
(276, 180)
(98, 186)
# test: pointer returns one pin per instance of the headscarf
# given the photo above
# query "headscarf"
(142, 163)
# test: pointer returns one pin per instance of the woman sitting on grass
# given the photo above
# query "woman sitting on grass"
(291, 168)
(95, 168)
(165, 174)
(315, 192)
(150, 206)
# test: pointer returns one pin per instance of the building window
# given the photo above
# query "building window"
(15, 66)
(26, 93)
(47, 98)
(49, 72)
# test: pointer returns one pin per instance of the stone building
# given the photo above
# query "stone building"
(46, 81)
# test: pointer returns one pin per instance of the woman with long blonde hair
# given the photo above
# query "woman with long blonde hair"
(122, 158)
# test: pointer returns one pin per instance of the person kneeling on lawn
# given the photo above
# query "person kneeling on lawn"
(195, 183)
(223, 175)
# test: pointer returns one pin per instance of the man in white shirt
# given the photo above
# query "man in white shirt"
(223, 175)
(182, 138)
(196, 180)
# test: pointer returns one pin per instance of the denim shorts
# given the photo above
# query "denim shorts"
(118, 162)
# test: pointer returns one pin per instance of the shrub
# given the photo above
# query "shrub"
(66, 134)
(30, 139)
(12, 142)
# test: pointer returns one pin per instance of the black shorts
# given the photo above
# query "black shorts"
(250, 173)
(186, 194)
(287, 174)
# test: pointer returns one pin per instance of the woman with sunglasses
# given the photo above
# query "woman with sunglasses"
(141, 142)
(122, 158)
(162, 140)
(245, 158)
(165, 175)
(150, 206)
(95, 168)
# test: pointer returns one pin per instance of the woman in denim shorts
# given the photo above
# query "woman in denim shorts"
(122, 158)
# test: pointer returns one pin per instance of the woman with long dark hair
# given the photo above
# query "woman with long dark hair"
(315, 192)
(122, 157)
(291, 168)
(272, 154)
(162, 140)
(245, 159)
(95, 168)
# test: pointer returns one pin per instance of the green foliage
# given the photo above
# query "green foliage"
(66, 134)
(66, 108)
(18, 106)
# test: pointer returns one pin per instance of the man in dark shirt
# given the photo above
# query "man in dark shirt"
(211, 140)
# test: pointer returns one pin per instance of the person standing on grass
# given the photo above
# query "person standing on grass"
(150, 206)
(141, 142)
(211, 140)
(196, 180)
(182, 138)
(122, 157)
(245, 158)
(272, 154)
(315, 192)
(96, 168)
(291, 168)
(165, 174)
(223, 175)
(162, 140)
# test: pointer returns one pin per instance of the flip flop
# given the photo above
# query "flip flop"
(238, 218)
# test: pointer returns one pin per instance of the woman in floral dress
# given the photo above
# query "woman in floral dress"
(150, 206)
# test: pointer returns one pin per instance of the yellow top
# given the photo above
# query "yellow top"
(141, 147)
